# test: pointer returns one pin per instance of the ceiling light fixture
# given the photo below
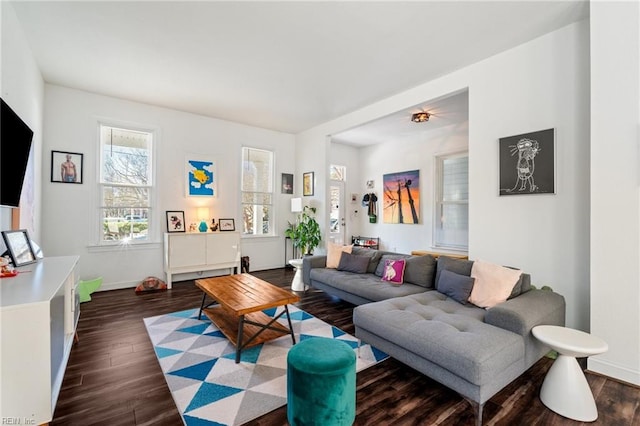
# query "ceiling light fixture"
(420, 117)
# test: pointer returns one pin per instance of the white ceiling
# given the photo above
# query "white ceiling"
(451, 110)
(286, 66)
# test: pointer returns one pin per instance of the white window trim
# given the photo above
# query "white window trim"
(274, 174)
(437, 195)
(155, 236)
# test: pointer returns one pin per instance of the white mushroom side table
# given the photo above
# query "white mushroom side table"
(297, 284)
(565, 390)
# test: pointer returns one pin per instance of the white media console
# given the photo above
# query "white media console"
(186, 252)
(39, 311)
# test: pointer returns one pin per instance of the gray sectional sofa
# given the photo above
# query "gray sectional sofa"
(474, 351)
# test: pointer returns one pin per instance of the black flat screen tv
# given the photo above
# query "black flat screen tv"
(15, 144)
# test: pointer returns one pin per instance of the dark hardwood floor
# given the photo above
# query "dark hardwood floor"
(113, 377)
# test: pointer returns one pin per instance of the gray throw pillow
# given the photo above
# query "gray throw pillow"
(459, 266)
(420, 270)
(522, 286)
(373, 255)
(352, 263)
(456, 286)
(380, 267)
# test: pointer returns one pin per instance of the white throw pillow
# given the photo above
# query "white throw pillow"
(334, 251)
(493, 283)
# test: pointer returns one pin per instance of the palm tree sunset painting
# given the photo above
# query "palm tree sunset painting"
(401, 202)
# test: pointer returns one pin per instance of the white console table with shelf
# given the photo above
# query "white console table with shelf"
(186, 252)
(39, 311)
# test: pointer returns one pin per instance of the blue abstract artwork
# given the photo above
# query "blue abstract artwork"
(201, 178)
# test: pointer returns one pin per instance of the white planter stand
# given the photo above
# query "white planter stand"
(297, 284)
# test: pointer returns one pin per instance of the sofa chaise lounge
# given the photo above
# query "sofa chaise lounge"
(434, 329)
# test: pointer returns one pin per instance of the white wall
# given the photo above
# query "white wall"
(315, 158)
(540, 84)
(70, 221)
(615, 231)
(415, 152)
(22, 89)
(584, 241)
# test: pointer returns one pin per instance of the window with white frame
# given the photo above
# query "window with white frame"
(257, 191)
(337, 172)
(125, 184)
(452, 202)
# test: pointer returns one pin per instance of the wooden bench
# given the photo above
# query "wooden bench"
(437, 254)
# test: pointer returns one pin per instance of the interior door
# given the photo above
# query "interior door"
(337, 224)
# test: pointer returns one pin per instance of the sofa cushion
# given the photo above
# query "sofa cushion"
(420, 270)
(352, 263)
(334, 251)
(459, 266)
(494, 283)
(444, 332)
(380, 268)
(394, 271)
(367, 286)
(373, 255)
(456, 286)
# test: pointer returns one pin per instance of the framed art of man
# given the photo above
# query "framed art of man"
(66, 167)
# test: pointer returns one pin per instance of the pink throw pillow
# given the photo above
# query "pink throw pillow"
(334, 251)
(493, 283)
(393, 271)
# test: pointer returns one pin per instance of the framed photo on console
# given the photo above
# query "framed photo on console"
(175, 221)
(19, 247)
(227, 224)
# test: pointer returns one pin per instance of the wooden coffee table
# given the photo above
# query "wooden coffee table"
(238, 302)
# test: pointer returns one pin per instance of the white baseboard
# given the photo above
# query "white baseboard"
(118, 286)
(617, 372)
(181, 277)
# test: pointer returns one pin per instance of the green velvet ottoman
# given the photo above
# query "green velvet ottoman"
(321, 383)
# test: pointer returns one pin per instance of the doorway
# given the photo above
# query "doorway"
(337, 223)
(336, 214)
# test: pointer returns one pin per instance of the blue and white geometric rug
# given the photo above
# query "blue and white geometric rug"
(209, 388)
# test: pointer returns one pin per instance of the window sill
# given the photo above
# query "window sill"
(452, 250)
(259, 237)
(100, 248)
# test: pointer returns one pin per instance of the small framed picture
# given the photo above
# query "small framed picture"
(175, 221)
(66, 167)
(307, 183)
(19, 247)
(227, 224)
(287, 183)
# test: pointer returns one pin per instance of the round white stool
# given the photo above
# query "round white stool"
(297, 284)
(565, 390)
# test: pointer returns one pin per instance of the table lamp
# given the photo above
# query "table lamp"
(203, 215)
(296, 205)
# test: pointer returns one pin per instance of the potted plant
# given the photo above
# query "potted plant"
(305, 233)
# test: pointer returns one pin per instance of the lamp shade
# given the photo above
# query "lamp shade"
(296, 205)
(203, 213)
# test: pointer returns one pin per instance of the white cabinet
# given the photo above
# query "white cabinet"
(199, 252)
(39, 310)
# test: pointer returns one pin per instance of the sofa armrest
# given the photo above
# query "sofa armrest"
(310, 262)
(522, 313)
